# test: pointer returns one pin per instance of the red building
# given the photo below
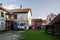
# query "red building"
(37, 22)
(44, 22)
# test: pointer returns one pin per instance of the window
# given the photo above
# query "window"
(50, 19)
(2, 14)
(2, 24)
(15, 16)
(22, 24)
(51, 15)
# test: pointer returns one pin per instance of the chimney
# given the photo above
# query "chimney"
(20, 6)
(0, 4)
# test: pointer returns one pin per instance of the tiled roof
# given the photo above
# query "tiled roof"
(40, 20)
(4, 9)
(25, 10)
(20, 10)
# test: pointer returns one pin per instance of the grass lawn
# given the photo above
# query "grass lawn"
(38, 35)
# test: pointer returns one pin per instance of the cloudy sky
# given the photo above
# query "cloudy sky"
(40, 8)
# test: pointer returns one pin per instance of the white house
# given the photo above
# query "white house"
(9, 17)
(3, 12)
(22, 16)
(50, 17)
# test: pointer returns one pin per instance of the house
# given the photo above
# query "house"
(37, 23)
(54, 26)
(50, 17)
(9, 18)
(3, 13)
(22, 16)
(43, 24)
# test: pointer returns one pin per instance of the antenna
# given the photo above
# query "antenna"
(20, 6)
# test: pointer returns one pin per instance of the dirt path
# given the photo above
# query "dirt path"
(10, 36)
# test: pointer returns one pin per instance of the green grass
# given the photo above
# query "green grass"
(38, 35)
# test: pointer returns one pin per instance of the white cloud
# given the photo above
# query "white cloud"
(11, 6)
(43, 18)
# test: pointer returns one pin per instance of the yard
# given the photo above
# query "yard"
(37, 35)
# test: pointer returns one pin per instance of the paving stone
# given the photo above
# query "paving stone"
(9, 36)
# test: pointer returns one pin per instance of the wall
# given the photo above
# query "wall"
(2, 20)
(22, 18)
(2, 26)
(29, 17)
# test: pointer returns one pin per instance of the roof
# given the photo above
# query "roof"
(16, 10)
(20, 10)
(4, 9)
(25, 10)
(40, 20)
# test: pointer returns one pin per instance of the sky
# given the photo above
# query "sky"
(40, 8)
